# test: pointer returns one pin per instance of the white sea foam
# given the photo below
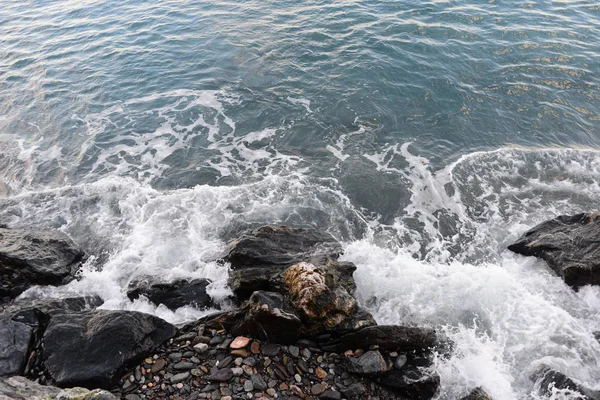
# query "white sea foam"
(506, 314)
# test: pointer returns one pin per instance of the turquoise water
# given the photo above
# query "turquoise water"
(424, 135)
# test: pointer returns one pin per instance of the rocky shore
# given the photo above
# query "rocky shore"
(297, 331)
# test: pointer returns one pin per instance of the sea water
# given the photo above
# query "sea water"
(426, 136)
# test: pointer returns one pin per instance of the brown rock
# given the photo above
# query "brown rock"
(255, 348)
(240, 353)
(240, 342)
(320, 373)
(297, 391)
(283, 386)
(158, 365)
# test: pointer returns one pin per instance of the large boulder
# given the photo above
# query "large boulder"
(569, 244)
(546, 379)
(29, 258)
(320, 295)
(402, 339)
(260, 254)
(92, 349)
(36, 314)
(19, 388)
(174, 294)
(15, 338)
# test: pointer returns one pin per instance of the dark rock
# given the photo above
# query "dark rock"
(264, 252)
(222, 375)
(411, 382)
(355, 390)
(331, 395)
(270, 349)
(258, 382)
(370, 363)
(477, 394)
(91, 349)
(179, 293)
(267, 316)
(20, 388)
(546, 379)
(569, 244)
(15, 338)
(29, 258)
(177, 378)
(388, 337)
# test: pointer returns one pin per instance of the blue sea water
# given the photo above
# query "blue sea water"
(425, 135)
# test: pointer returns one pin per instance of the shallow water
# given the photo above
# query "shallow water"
(425, 136)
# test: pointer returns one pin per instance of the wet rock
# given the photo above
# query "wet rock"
(388, 337)
(411, 382)
(323, 302)
(570, 246)
(15, 338)
(29, 258)
(91, 349)
(370, 363)
(400, 361)
(20, 388)
(264, 252)
(546, 379)
(267, 316)
(477, 394)
(175, 294)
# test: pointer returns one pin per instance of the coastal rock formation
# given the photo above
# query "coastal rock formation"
(91, 349)
(569, 244)
(19, 388)
(175, 294)
(14, 346)
(29, 258)
(259, 255)
(299, 267)
(305, 336)
(546, 378)
(213, 363)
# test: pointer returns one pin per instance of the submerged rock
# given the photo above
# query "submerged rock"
(19, 388)
(264, 252)
(477, 394)
(29, 258)
(546, 378)
(15, 338)
(91, 349)
(175, 294)
(569, 244)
